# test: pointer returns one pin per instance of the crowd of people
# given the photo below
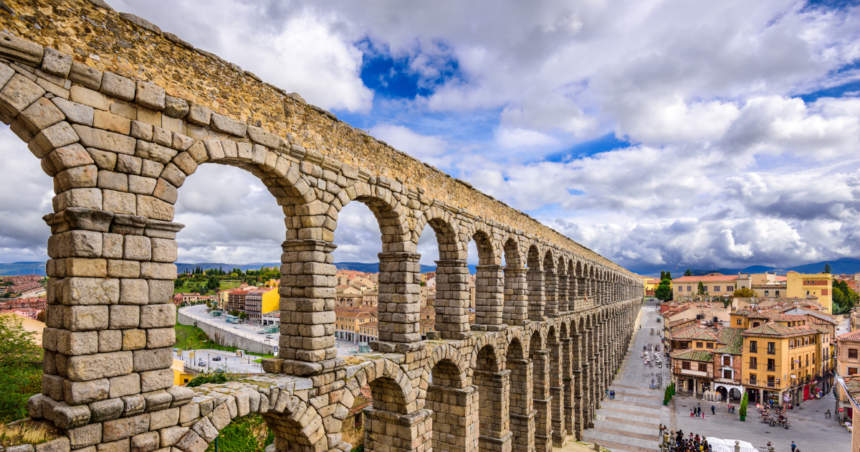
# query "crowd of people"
(681, 443)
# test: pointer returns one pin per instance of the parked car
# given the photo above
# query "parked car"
(216, 358)
(201, 363)
(268, 336)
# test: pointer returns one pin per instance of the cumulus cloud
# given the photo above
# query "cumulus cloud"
(723, 163)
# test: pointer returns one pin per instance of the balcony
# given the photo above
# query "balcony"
(771, 368)
(771, 351)
(696, 373)
(771, 384)
(753, 366)
(729, 381)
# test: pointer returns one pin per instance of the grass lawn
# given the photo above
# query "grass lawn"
(192, 338)
(190, 286)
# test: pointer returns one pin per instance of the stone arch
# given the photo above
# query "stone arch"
(387, 381)
(446, 228)
(390, 215)
(485, 343)
(451, 356)
(536, 288)
(489, 285)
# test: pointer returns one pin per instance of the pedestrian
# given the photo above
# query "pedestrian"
(713, 410)
(692, 412)
(793, 446)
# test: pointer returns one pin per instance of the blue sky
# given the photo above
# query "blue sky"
(659, 133)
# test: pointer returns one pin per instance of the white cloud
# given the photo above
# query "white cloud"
(725, 167)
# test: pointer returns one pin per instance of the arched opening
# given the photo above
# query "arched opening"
(557, 360)
(455, 408)
(521, 396)
(488, 284)
(376, 310)
(493, 394)
(535, 285)
(550, 285)
(570, 277)
(516, 286)
(541, 393)
(452, 277)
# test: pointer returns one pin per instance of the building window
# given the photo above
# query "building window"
(767, 293)
(685, 365)
(727, 374)
(771, 348)
(771, 365)
(740, 322)
(752, 379)
(710, 345)
(727, 360)
(698, 345)
(776, 292)
(753, 362)
(771, 381)
(730, 288)
(852, 353)
(792, 363)
(703, 367)
(689, 288)
(852, 371)
(753, 347)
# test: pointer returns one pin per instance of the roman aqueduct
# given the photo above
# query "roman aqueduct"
(120, 113)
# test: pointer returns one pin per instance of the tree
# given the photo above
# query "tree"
(664, 290)
(243, 315)
(662, 275)
(701, 289)
(20, 368)
(743, 410)
(744, 292)
(827, 268)
(688, 272)
(668, 275)
(41, 316)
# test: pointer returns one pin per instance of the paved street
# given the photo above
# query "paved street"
(229, 362)
(630, 422)
(809, 430)
(198, 313)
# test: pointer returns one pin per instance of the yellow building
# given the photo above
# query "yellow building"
(273, 283)
(650, 284)
(349, 320)
(781, 362)
(819, 285)
(180, 377)
(271, 301)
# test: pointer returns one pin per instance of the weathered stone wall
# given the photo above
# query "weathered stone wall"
(120, 114)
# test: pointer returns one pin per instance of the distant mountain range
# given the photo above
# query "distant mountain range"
(356, 266)
(844, 265)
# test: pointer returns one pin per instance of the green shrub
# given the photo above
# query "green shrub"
(247, 434)
(216, 378)
(20, 368)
